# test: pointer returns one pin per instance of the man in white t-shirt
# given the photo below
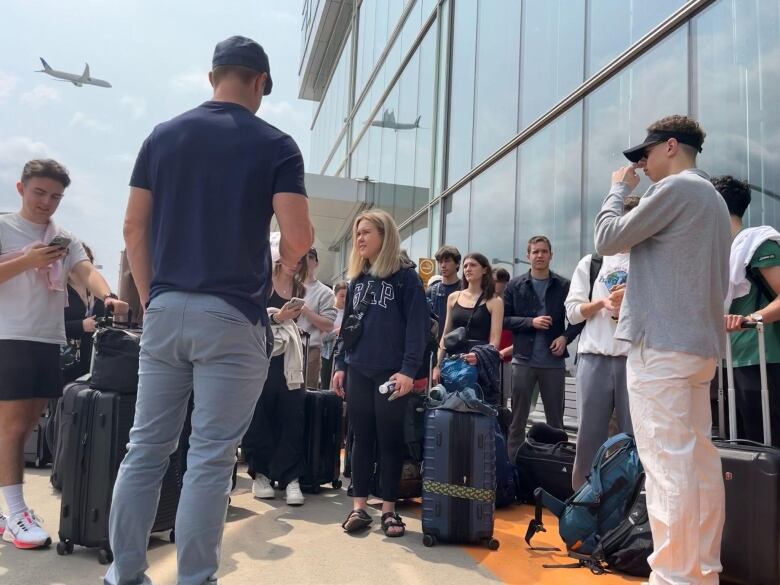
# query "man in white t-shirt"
(601, 358)
(317, 317)
(33, 293)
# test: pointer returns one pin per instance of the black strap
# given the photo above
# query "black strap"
(596, 262)
(474, 310)
(364, 304)
(757, 279)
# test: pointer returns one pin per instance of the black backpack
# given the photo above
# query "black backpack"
(596, 262)
(626, 547)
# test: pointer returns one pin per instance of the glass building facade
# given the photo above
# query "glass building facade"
(483, 122)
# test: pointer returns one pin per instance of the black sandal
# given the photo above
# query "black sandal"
(356, 520)
(395, 521)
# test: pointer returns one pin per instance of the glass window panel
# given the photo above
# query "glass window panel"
(492, 207)
(496, 81)
(441, 101)
(406, 239)
(615, 25)
(404, 135)
(737, 83)
(419, 247)
(548, 194)
(461, 125)
(456, 219)
(426, 111)
(618, 113)
(553, 40)
(435, 227)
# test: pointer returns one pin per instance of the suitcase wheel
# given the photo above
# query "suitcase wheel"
(430, 540)
(493, 544)
(105, 557)
(64, 547)
(337, 484)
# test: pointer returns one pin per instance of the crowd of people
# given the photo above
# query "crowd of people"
(229, 321)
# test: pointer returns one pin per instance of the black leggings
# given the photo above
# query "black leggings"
(375, 421)
(273, 444)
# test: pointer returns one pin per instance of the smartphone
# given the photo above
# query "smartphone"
(295, 302)
(60, 242)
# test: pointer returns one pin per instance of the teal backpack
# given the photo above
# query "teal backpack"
(599, 505)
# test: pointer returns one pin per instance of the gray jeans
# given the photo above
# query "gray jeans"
(552, 382)
(601, 388)
(191, 344)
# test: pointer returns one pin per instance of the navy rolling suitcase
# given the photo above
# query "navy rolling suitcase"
(93, 441)
(322, 440)
(459, 478)
(750, 551)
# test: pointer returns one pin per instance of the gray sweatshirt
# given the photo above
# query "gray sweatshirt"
(679, 236)
(320, 299)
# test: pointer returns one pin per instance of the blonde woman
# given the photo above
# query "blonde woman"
(395, 327)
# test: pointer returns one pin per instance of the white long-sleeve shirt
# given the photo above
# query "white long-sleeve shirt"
(598, 337)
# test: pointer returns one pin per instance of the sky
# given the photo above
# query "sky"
(156, 54)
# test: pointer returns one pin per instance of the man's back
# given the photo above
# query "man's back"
(213, 172)
(679, 271)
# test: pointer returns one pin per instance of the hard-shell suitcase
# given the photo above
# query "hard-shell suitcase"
(322, 440)
(750, 551)
(94, 436)
(459, 478)
(66, 433)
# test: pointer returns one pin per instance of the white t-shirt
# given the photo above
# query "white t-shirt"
(599, 334)
(29, 311)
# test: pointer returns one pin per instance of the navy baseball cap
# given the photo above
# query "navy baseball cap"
(245, 52)
(636, 153)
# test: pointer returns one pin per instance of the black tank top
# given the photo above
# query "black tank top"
(479, 329)
(276, 301)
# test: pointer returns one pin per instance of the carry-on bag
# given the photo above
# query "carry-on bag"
(94, 435)
(545, 460)
(115, 356)
(750, 550)
(459, 473)
(322, 440)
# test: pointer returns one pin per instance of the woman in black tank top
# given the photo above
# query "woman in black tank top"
(476, 308)
(273, 444)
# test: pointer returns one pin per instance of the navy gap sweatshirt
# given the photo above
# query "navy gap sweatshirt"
(396, 325)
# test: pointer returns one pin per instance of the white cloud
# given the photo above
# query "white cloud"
(282, 114)
(190, 81)
(14, 152)
(40, 96)
(135, 105)
(80, 119)
(7, 84)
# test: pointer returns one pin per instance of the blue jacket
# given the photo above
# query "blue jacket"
(396, 325)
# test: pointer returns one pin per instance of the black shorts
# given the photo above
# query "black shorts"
(29, 369)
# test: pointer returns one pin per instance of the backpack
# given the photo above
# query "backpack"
(600, 504)
(596, 262)
(626, 547)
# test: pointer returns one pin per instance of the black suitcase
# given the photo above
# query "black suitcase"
(750, 550)
(459, 478)
(94, 435)
(545, 460)
(322, 441)
(36, 450)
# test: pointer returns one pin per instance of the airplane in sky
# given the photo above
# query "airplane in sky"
(77, 80)
(388, 121)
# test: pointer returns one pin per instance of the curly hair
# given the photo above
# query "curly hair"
(736, 193)
(683, 124)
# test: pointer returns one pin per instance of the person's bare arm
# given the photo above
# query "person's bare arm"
(87, 273)
(39, 256)
(138, 223)
(496, 307)
(297, 232)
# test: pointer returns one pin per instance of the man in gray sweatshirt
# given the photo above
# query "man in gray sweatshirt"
(672, 315)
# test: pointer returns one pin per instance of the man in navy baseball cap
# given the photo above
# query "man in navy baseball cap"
(238, 51)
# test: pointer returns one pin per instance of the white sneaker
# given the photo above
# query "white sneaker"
(261, 487)
(24, 531)
(293, 494)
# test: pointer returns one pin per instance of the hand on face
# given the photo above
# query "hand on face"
(626, 175)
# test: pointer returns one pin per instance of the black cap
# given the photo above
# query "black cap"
(636, 153)
(245, 52)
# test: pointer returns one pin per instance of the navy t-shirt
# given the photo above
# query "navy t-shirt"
(213, 172)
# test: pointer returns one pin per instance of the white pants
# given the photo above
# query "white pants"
(669, 398)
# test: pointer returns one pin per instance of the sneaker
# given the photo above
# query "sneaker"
(293, 494)
(2, 524)
(24, 531)
(262, 488)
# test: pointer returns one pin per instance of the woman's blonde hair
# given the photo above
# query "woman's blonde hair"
(389, 260)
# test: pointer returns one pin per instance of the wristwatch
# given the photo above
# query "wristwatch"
(757, 317)
(110, 295)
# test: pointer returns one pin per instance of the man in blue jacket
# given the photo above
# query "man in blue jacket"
(535, 313)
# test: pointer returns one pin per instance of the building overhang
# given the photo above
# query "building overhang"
(322, 41)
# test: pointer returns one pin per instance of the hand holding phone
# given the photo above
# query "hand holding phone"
(60, 242)
(296, 303)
